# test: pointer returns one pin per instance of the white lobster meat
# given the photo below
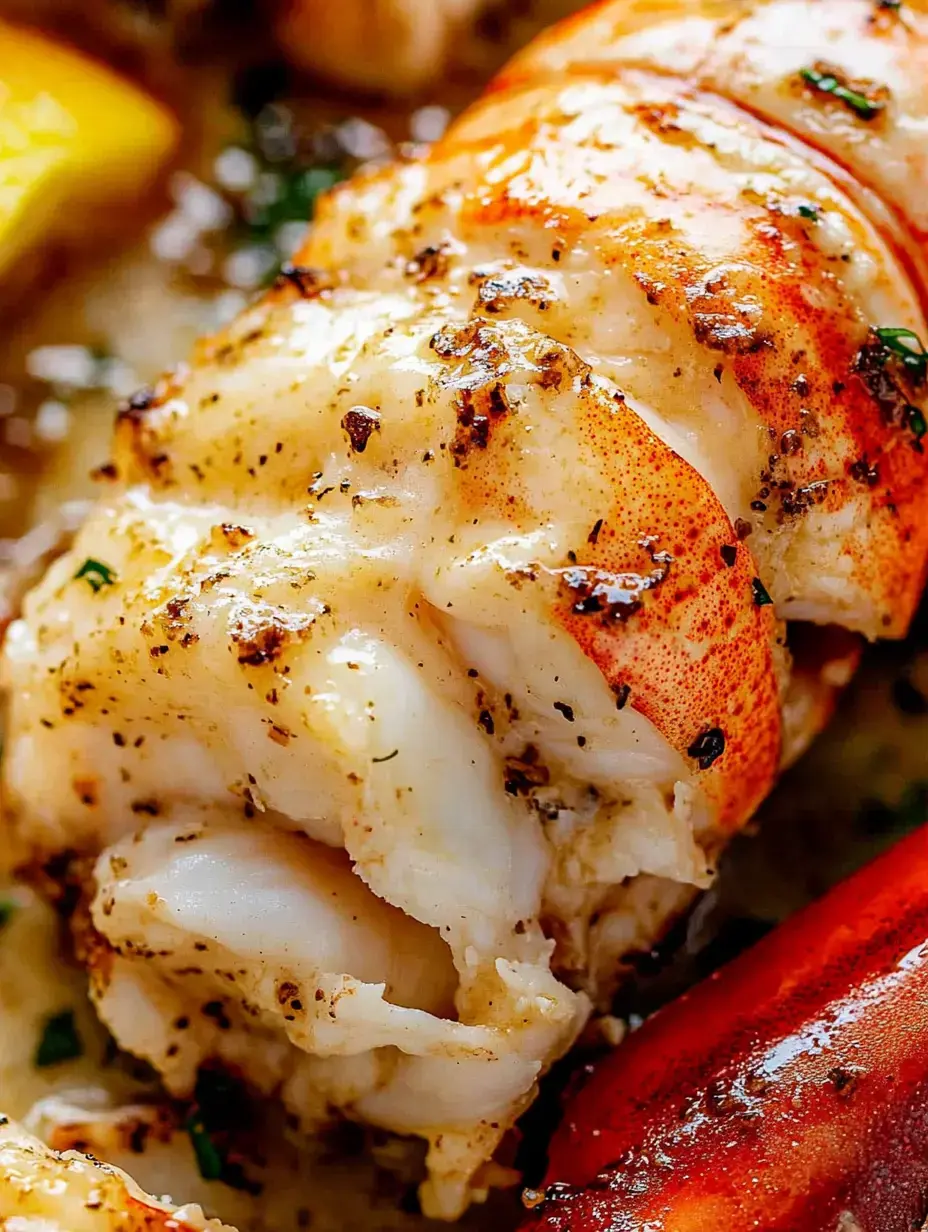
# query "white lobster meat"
(430, 636)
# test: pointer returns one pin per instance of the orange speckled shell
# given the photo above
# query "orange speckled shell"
(695, 654)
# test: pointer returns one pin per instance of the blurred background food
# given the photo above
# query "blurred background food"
(109, 272)
(138, 209)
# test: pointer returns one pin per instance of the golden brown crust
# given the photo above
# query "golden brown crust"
(40, 1188)
(765, 302)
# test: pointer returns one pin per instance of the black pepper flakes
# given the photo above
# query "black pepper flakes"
(388, 757)
(216, 1011)
(360, 423)
(790, 443)
(708, 747)
(147, 808)
(309, 282)
(797, 502)
(808, 423)
(477, 412)
(431, 262)
(525, 772)
(863, 472)
(843, 1079)
(137, 404)
(892, 364)
(614, 596)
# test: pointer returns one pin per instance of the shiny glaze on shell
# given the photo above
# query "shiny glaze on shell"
(787, 1092)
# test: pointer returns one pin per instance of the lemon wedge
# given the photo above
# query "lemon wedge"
(74, 138)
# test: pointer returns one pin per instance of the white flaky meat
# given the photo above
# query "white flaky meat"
(438, 624)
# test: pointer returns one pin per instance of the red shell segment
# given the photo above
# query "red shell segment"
(789, 1092)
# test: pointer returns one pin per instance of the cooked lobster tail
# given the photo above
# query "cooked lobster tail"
(430, 638)
(789, 1092)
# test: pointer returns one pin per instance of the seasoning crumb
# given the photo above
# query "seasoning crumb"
(708, 747)
(360, 423)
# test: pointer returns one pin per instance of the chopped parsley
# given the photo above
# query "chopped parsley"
(760, 593)
(907, 347)
(915, 421)
(284, 169)
(290, 201)
(7, 911)
(96, 574)
(59, 1041)
(221, 1106)
(890, 363)
(808, 211)
(209, 1160)
(826, 81)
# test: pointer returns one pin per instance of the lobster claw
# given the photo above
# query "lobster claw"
(788, 1093)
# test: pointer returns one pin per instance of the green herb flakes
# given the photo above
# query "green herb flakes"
(891, 362)
(96, 574)
(59, 1042)
(760, 593)
(7, 911)
(808, 211)
(826, 81)
(221, 1109)
(905, 346)
(290, 198)
(285, 169)
(915, 421)
(209, 1160)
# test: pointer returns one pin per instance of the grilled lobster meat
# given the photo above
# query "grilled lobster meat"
(431, 635)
